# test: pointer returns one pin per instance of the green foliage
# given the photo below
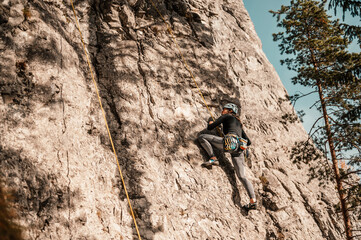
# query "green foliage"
(306, 152)
(354, 8)
(289, 118)
(311, 38)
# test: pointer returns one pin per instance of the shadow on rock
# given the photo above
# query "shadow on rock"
(106, 59)
(38, 195)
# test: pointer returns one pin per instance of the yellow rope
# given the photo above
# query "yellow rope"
(184, 60)
(105, 119)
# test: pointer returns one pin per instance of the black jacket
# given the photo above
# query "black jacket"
(230, 125)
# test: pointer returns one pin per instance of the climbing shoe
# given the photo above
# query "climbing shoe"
(210, 163)
(250, 206)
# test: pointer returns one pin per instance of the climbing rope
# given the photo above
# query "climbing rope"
(105, 119)
(184, 60)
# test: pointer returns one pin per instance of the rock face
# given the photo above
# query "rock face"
(54, 148)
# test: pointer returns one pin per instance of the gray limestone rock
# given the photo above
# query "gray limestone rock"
(55, 151)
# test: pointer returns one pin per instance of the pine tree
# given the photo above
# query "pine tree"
(318, 47)
(354, 8)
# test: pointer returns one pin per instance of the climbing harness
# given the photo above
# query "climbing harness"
(232, 143)
(243, 144)
(105, 119)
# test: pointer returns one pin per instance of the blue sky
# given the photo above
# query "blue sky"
(265, 25)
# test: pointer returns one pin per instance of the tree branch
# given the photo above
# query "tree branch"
(349, 173)
(309, 133)
(303, 95)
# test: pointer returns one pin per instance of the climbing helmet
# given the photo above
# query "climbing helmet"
(231, 106)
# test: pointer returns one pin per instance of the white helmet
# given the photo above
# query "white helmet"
(231, 106)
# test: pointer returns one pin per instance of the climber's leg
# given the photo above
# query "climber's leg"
(238, 163)
(207, 141)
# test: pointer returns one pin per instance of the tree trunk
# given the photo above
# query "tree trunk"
(346, 216)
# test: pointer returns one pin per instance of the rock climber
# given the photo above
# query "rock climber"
(231, 127)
